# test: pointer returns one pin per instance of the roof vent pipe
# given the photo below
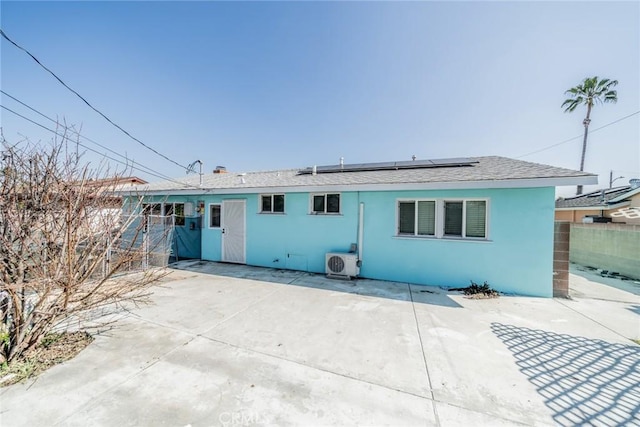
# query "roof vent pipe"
(341, 162)
(314, 170)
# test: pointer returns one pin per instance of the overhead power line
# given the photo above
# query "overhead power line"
(146, 168)
(578, 136)
(87, 102)
(127, 163)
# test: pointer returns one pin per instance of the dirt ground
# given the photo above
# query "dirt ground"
(55, 348)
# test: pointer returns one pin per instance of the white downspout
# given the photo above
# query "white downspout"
(360, 230)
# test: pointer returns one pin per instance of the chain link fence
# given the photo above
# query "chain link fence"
(146, 243)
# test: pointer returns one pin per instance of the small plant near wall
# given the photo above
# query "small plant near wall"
(478, 291)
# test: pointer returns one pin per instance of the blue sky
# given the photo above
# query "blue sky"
(269, 85)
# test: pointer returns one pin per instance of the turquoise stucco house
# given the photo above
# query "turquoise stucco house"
(433, 222)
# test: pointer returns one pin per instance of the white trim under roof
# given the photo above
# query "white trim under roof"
(453, 185)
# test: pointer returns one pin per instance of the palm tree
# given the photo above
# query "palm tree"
(591, 91)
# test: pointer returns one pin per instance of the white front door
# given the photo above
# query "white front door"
(233, 231)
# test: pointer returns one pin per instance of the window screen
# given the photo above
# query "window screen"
(406, 217)
(476, 219)
(278, 203)
(333, 203)
(152, 209)
(179, 213)
(266, 204)
(462, 218)
(318, 203)
(326, 203)
(214, 216)
(453, 218)
(427, 218)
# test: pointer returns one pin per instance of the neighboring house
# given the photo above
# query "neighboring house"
(110, 204)
(115, 184)
(619, 204)
(121, 182)
(432, 222)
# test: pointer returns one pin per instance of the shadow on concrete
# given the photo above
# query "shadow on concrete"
(374, 288)
(583, 381)
(591, 274)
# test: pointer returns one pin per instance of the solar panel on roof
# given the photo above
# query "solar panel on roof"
(408, 164)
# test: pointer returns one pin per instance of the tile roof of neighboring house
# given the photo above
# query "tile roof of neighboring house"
(596, 199)
(485, 172)
(116, 180)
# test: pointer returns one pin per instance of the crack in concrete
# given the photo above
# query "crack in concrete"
(590, 318)
(317, 368)
(424, 356)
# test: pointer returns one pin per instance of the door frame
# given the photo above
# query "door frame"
(223, 226)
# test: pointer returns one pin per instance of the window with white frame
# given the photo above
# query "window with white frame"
(465, 218)
(214, 215)
(154, 209)
(151, 214)
(325, 203)
(272, 203)
(417, 217)
(442, 218)
(176, 210)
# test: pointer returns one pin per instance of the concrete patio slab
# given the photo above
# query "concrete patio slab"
(223, 347)
(114, 357)
(233, 386)
(202, 302)
(612, 302)
(346, 333)
(468, 364)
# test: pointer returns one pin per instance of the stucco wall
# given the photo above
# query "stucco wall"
(576, 215)
(294, 240)
(613, 247)
(564, 216)
(517, 258)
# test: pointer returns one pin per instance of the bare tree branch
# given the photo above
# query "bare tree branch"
(66, 249)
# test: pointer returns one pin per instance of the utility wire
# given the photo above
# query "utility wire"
(97, 152)
(80, 144)
(87, 102)
(146, 168)
(579, 136)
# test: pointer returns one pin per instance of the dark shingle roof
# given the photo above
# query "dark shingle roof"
(598, 198)
(489, 169)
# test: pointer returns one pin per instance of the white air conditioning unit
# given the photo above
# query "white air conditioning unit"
(341, 264)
